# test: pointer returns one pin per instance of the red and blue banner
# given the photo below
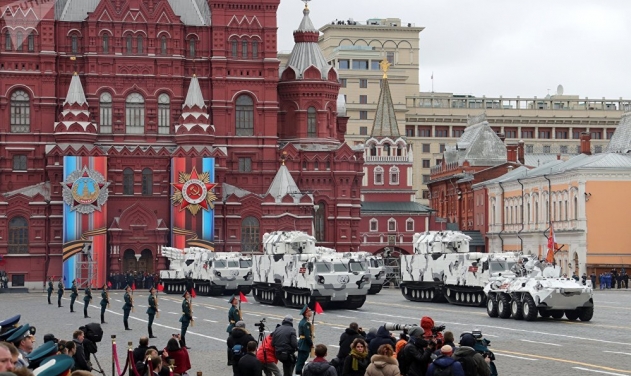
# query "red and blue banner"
(193, 197)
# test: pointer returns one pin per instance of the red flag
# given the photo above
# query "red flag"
(133, 286)
(551, 246)
(193, 294)
(160, 287)
(242, 297)
(318, 308)
(109, 284)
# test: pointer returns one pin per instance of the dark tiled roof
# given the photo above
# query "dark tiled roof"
(394, 207)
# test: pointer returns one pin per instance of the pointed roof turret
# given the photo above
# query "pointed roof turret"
(283, 184)
(75, 116)
(194, 96)
(385, 123)
(194, 111)
(75, 92)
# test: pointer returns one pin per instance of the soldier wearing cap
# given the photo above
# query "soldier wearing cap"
(187, 317)
(60, 292)
(50, 289)
(152, 310)
(234, 314)
(86, 301)
(39, 354)
(305, 339)
(129, 304)
(58, 365)
(73, 295)
(23, 339)
(9, 324)
(105, 302)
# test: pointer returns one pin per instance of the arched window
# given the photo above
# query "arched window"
(164, 114)
(575, 207)
(18, 235)
(392, 225)
(106, 43)
(191, 47)
(135, 114)
(409, 225)
(320, 222)
(147, 182)
(374, 225)
(20, 112)
(373, 151)
(128, 181)
(244, 116)
(255, 49)
(394, 175)
(312, 131)
(139, 45)
(163, 45)
(19, 41)
(7, 41)
(234, 47)
(250, 235)
(128, 47)
(378, 175)
(386, 149)
(105, 110)
(244, 49)
(31, 43)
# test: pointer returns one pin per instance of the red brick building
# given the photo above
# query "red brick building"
(145, 82)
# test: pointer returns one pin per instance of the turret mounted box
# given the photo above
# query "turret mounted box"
(293, 271)
(209, 273)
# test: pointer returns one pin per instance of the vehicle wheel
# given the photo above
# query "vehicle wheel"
(491, 307)
(571, 314)
(586, 314)
(503, 306)
(556, 314)
(544, 313)
(516, 310)
(529, 308)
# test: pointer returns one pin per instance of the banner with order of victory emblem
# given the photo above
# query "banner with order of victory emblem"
(85, 193)
(193, 197)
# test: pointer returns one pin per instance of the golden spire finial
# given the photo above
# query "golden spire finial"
(385, 66)
(306, 3)
(282, 158)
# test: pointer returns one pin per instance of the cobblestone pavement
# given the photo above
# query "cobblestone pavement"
(557, 347)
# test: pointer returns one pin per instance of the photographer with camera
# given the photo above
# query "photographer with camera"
(482, 347)
(383, 337)
(417, 354)
(473, 363)
(80, 360)
(237, 345)
(285, 343)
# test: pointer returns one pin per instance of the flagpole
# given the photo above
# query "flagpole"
(432, 81)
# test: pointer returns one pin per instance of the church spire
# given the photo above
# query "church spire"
(385, 123)
(75, 92)
(74, 123)
(194, 122)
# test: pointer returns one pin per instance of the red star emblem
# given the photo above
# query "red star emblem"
(194, 190)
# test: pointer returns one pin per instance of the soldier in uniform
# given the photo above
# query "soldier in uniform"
(73, 295)
(86, 302)
(152, 310)
(60, 292)
(187, 317)
(129, 304)
(305, 339)
(105, 302)
(234, 314)
(50, 289)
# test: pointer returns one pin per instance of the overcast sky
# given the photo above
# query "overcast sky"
(500, 47)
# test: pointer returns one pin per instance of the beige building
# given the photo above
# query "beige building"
(431, 121)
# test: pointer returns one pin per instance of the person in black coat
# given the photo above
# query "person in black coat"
(383, 337)
(80, 360)
(346, 340)
(248, 364)
(418, 353)
(238, 336)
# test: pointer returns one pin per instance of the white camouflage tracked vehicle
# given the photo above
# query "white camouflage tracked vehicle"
(442, 269)
(210, 273)
(293, 272)
(538, 293)
(377, 271)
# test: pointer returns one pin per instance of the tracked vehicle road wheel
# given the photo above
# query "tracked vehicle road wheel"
(572, 314)
(586, 313)
(516, 310)
(529, 308)
(491, 307)
(503, 306)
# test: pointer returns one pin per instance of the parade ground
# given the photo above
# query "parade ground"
(543, 347)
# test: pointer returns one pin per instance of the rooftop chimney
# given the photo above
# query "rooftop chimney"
(586, 147)
(520, 152)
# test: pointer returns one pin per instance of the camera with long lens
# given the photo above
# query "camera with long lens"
(392, 326)
(438, 329)
(261, 324)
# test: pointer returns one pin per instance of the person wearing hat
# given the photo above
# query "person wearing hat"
(472, 362)
(50, 289)
(234, 314)
(39, 354)
(9, 324)
(129, 304)
(73, 294)
(237, 343)
(152, 310)
(58, 365)
(187, 317)
(23, 339)
(445, 364)
(60, 292)
(305, 338)
(105, 302)
(417, 352)
(285, 342)
(86, 301)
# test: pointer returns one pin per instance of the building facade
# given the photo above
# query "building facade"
(128, 126)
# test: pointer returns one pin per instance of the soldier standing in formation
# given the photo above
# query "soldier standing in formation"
(86, 301)
(234, 314)
(73, 295)
(305, 341)
(50, 289)
(105, 302)
(60, 292)
(129, 304)
(152, 310)
(187, 317)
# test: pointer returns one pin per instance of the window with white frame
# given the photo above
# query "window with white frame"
(105, 110)
(164, 114)
(374, 225)
(135, 114)
(379, 175)
(409, 225)
(392, 224)
(394, 175)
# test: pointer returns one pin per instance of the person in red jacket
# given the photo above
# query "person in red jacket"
(266, 354)
(179, 355)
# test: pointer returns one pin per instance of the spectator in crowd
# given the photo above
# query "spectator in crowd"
(80, 361)
(285, 343)
(6, 360)
(356, 363)
(178, 354)
(473, 363)
(446, 362)
(417, 353)
(249, 365)
(383, 337)
(346, 340)
(383, 363)
(239, 336)
(266, 354)
(449, 339)
(319, 366)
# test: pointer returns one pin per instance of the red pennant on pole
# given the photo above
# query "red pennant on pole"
(318, 308)
(193, 294)
(160, 287)
(133, 286)
(242, 297)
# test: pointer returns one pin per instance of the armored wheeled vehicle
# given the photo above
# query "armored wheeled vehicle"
(377, 271)
(442, 269)
(538, 293)
(293, 272)
(209, 273)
